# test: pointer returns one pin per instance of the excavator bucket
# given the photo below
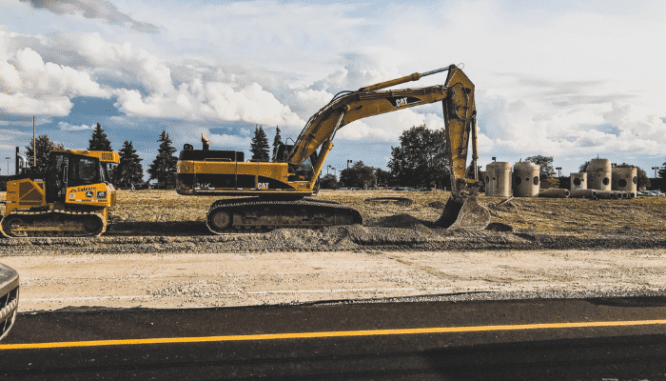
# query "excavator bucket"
(468, 215)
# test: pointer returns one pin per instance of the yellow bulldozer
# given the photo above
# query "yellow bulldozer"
(279, 191)
(70, 199)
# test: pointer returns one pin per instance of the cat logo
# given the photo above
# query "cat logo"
(398, 102)
(262, 185)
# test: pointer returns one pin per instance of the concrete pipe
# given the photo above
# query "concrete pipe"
(608, 195)
(578, 180)
(625, 179)
(599, 174)
(498, 179)
(526, 179)
(583, 193)
(555, 193)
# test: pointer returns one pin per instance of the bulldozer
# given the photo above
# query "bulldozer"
(70, 199)
(278, 193)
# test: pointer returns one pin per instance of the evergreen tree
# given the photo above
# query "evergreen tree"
(44, 146)
(260, 145)
(99, 141)
(163, 168)
(277, 141)
(130, 169)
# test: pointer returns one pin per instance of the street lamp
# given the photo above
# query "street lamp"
(559, 171)
(349, 162)
(334, 172)
(8, 164)
(655, 171)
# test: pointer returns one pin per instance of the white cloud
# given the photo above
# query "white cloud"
(93, 9)
(64, 126)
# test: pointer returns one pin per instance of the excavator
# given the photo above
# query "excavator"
(70, 199)
(278, 193)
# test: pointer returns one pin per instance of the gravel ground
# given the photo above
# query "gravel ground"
(158, 253)
(176, 280)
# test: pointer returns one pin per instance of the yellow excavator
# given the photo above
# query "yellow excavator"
(70, 199)
(279, 190)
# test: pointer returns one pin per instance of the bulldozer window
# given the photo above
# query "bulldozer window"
(84, 170)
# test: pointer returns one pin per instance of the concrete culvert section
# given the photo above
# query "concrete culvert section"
(583, 193)
(599, 174)
(498, 177)
(625, 179)
(523, 173)
(578, 180)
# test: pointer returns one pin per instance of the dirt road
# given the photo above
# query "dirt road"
(172, 280)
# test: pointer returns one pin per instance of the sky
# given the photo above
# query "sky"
(574, 80)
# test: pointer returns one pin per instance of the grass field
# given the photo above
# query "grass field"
(544, 215)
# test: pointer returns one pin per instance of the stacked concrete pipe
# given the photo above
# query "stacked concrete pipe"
(526, 179)
(599, 174)
(498, 179)
(625, 179)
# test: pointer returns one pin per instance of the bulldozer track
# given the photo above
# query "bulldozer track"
(50, 223)
(254, 214)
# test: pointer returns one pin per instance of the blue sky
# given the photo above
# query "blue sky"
(572, 80)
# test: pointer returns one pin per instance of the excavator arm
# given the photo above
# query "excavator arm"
(459, 108)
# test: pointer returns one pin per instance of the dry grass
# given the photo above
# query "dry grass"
(542, 215)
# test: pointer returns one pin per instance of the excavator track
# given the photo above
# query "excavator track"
(252, 213)
(52, 223)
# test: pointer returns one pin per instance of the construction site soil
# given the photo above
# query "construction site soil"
(158, 253)
(161, 220)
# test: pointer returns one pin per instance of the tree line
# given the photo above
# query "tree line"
(419, 161)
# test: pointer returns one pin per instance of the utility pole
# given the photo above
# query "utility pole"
(34, 145)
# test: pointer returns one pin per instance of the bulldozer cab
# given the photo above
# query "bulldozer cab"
(69, 170)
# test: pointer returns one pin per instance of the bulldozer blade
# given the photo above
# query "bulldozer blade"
(467, 215)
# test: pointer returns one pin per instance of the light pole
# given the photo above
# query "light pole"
(349, 162)
(8, 164)
(327, 168)
(655, 171)
(559, 171)
(334, 172)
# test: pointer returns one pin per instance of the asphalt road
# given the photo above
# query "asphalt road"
(623, 339)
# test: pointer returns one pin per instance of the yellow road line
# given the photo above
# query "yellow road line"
(319, 335)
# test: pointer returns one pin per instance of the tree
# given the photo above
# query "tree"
(583, 168)
(277, 141)
(643, 179)
(421, 158)
(130, 169)
(99, 141)
(44, 147)
(359, 175)
(163, 168)
(383, 177)
(329, 182)
(546, 163)
(259, 146)
(662, 171)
